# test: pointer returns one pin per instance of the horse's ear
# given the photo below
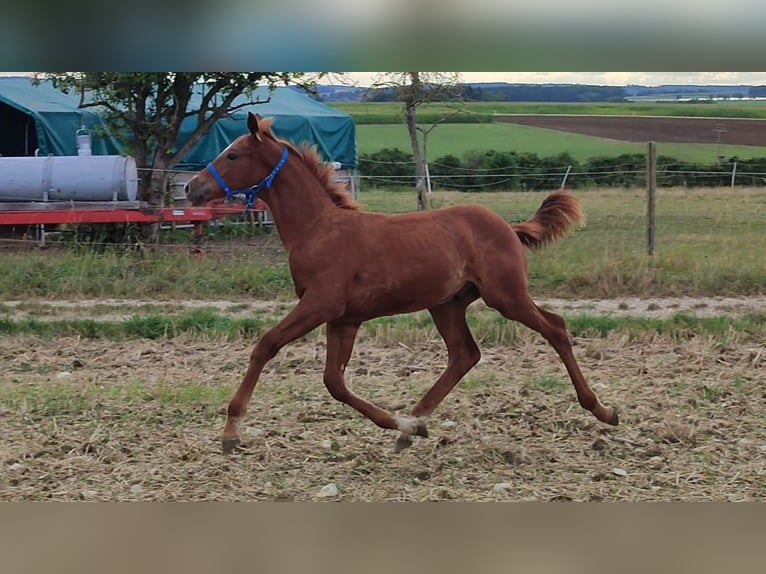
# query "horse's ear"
(252, 125)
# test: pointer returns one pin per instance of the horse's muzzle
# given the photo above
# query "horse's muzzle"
(195, 192)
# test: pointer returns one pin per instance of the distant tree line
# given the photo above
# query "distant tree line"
(544, 93)
(498, 170)
(502, 92)
(520, 93)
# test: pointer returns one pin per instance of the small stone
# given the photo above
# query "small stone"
(328, 490)
(620, 471)
(655, 461)
(136, 489)
(88, 494)
(63, 375)
(327, 444)
(501, 487)
(448, 424)
(17, 467)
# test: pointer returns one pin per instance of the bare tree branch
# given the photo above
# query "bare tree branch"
(413, 89)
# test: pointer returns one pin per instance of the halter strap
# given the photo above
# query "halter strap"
(249, 193)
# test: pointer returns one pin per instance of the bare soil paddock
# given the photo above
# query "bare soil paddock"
(140, 420)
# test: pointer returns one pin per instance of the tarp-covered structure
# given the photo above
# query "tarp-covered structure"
(44, 120)
(39, 117)
(297, 118)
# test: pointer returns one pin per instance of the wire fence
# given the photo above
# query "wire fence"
(714, 215)
(698, 216)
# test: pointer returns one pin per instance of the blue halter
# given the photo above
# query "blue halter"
(249, 193)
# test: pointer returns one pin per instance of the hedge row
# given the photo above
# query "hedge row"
(481, 171)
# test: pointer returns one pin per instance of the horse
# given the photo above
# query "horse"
(349, 266)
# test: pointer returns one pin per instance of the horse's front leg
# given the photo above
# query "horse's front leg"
(340, 342)
(308, 314)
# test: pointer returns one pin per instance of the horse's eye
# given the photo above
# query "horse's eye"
(231, 155)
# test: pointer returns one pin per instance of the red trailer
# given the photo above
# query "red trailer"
(39, 213)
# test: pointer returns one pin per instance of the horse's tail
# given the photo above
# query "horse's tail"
(551, 221)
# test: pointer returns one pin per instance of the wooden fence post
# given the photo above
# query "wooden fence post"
(651, 190)
(566, 175)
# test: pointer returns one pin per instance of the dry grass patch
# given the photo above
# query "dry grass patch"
(140, 420)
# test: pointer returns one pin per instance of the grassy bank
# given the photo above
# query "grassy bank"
(488, 327)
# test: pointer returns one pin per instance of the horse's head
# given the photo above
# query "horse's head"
(250, 161)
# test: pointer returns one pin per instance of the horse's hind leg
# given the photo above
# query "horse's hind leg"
(304, 317)
(340, 342)
(553, 328)
(463, 355)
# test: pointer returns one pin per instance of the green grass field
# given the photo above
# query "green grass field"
(457, 139)
(390, 112)
(379, 125)
(709, 242)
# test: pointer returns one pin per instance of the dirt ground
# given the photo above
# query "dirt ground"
(140, 420)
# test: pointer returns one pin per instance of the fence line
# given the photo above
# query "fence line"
(502, 175)
(496, 177)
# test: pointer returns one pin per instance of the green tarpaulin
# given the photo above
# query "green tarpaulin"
(42, 118)
(297, 118)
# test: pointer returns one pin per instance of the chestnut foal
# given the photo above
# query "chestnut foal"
(350, 266)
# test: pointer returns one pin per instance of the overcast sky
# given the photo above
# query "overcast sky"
(599, 78)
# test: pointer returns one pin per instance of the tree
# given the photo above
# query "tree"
(414, 89)
(147, 109)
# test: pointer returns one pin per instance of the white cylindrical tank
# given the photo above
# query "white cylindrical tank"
(68, 178)
(83, 142)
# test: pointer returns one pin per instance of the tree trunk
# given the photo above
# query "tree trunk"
(155, 195)
(420, 168)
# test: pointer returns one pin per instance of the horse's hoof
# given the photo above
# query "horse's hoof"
(614, 419)
(229, 444)
(402, 441)
(421, 429)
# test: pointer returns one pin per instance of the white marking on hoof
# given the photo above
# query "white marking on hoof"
(410, 425)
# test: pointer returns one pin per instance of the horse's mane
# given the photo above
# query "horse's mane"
(322, 170)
